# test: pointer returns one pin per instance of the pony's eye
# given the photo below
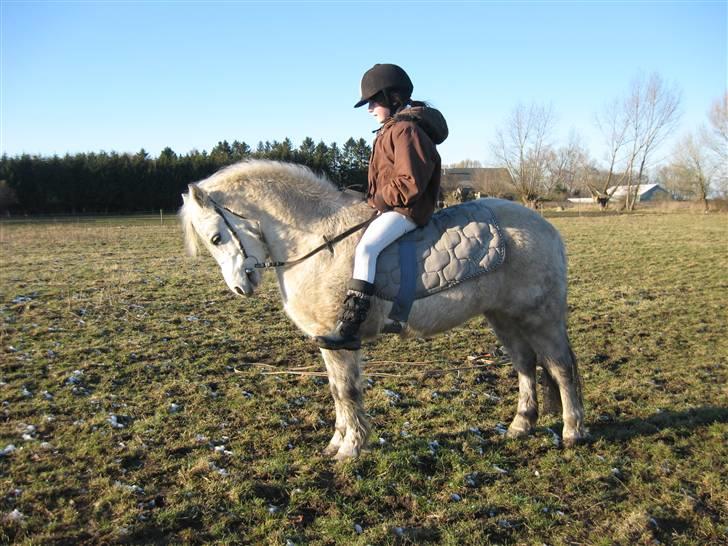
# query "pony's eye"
(216, 239)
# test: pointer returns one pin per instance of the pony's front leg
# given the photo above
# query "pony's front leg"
(352, 426)
(340, 427)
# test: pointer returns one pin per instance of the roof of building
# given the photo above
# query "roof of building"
(621, 191)
(477, 178)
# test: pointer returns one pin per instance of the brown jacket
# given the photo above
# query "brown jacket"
(404, 170)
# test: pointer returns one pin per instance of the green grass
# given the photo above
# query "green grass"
(102, 318)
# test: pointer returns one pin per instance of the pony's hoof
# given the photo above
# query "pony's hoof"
(331, 450)
(515, 433)
(346, 454)
(573, 440)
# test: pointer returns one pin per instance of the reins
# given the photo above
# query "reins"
(328, 244)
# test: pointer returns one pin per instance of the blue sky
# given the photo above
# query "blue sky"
(124, 75)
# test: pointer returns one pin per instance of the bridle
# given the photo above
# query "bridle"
(329, 244)
(219, 210)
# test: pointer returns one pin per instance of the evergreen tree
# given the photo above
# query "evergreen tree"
(222, 153)
(334, 162)
(305, 152)
(319, 159)
(167, 154)
(240, 151)
(352, 170)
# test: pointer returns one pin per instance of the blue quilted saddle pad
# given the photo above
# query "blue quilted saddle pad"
(459, 243)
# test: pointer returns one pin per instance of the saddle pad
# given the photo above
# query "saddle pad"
(459, 243)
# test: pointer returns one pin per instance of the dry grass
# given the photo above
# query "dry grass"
(130, 390)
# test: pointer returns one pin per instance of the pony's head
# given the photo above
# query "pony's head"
(234, 242)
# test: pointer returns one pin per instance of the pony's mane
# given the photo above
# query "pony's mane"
(264, 175)
(192, 244)
(272, 181)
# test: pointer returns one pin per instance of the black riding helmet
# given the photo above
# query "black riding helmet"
(382, 77)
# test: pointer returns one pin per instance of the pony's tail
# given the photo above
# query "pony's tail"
(576, 376)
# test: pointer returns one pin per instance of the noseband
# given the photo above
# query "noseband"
(329, 244)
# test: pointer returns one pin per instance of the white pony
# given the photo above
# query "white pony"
(258, 210)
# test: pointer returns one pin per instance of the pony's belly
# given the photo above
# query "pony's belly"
(446, 310)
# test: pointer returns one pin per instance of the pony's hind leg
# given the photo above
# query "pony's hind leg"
(524, 362)
(352, 426)
(551, 343)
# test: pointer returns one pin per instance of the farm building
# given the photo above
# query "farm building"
(646, 192)
(483, 180)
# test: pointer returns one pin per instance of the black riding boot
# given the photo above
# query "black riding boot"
(345, 334)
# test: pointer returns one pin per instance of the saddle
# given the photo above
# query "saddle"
(459, 243)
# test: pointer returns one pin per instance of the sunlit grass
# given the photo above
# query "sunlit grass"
(133, 388)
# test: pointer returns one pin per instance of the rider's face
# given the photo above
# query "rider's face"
(380, 112)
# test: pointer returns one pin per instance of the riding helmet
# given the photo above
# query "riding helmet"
(382, 77)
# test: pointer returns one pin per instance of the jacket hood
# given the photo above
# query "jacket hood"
(430, 119)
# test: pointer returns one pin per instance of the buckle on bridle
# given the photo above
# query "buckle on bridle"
(329, 244)
(248, 266)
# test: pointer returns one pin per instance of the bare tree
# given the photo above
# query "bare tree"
(717, 140)
(493, 182)
(718, 118)
(567, 167)
(671, 177)
(653, 112)
(614, 125)
(691, 172)
(634, 128)
(465, 164)
(522, 147)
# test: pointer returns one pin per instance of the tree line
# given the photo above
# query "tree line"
(122, 182)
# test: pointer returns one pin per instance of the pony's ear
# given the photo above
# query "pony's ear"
(184, 198)
(199, 195)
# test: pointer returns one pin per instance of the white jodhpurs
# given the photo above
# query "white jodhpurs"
(383, 231)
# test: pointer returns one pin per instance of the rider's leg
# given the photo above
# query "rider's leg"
(383, 231)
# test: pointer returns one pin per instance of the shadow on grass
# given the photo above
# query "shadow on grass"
(678, 421)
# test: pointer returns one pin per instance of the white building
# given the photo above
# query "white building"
(645, 192)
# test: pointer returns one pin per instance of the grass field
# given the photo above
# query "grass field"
(139, 407)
